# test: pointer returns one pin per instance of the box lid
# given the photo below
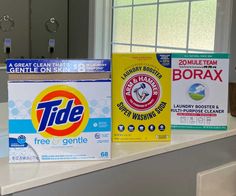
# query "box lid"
(25, 66)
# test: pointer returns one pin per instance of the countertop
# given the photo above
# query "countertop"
(19, 177)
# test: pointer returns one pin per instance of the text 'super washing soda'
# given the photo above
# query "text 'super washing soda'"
(58, 120)
(200, 91)
(141, 87)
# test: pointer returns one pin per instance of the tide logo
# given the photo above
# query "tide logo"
(60, 111)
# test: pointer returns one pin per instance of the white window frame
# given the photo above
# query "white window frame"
(223, 25)
(100, 27)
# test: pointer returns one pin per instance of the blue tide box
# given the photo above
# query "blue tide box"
(59, 110)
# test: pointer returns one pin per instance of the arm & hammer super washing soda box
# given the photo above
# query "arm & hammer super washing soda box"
(141, 93)
(200, 91)
(59, 110)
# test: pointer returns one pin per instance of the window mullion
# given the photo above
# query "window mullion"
(157, 20)
(147, 4)
(188, 26)
(132, 26)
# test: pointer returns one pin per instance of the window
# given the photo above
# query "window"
(164, 25)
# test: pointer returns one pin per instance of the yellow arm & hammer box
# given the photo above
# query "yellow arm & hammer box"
(141, 96)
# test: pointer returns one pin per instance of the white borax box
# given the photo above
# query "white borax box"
(58, 120)
(200, 91)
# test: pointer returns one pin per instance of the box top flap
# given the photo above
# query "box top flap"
(43, 66)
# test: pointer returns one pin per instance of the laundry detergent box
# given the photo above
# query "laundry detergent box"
(200, 91)
(59, 110)
(141, 93)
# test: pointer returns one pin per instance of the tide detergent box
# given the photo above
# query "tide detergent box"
(200, 91)
(141, 93)
(59, 110)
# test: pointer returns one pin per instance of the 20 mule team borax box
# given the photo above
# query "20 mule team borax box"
(141, 93)
(200, 91)
(61, 115)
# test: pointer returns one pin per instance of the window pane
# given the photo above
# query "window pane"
(144, 1)
(122, 2)
(142, 49)
(162, 50)
(173, 25)
(120, 48)
(144, 25)
(202, 27)
(122, 25)
(167, 0)
(193, 51)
